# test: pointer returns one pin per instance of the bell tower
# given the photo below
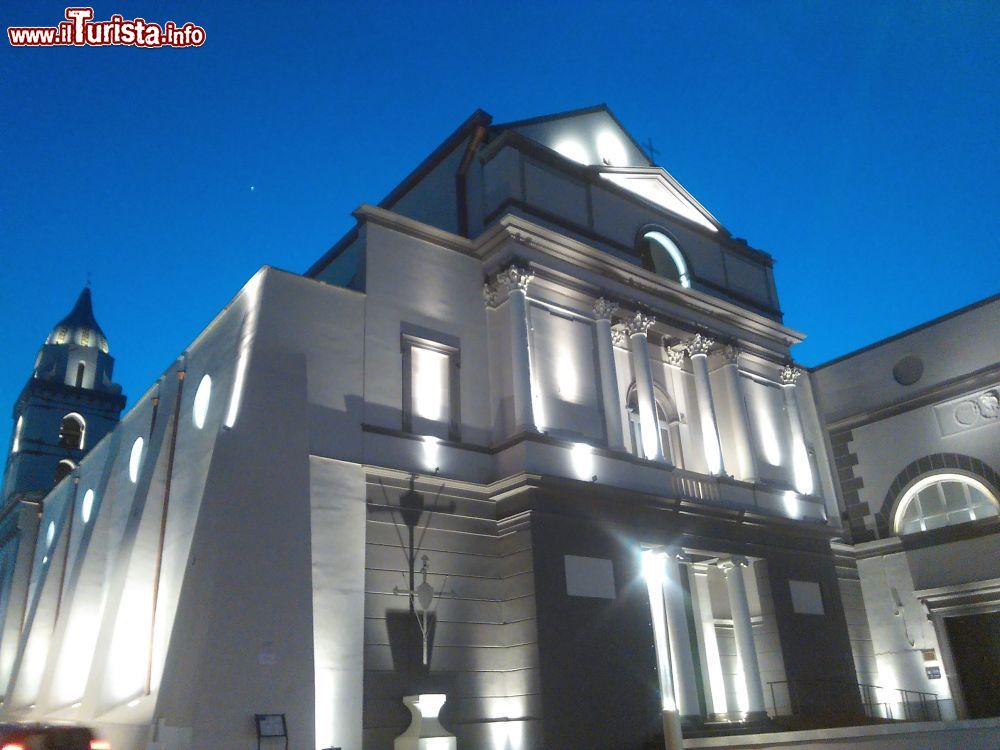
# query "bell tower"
(68, 404)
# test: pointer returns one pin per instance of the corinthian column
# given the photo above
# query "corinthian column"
(637, 327)
(801, 468)
(698, 348)
(603, 312)
(685, 682)
(741, 428)
(743, 630)
(514, 279)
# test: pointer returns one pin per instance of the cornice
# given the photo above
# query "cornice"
(490, 246)
(417, 229)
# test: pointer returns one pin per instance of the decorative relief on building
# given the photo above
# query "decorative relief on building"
(674, 357)
(699, 344)
(639, 323)
(789, 375)
(969, 412)
(619, 338)
(730, 354)
(512, 278)
(489, 294)
(604, 309)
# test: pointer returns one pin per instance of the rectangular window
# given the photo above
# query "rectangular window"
(430, 388)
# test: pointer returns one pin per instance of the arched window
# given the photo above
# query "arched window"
(72, 432)
(81, 370)
(63, 469)
(666, 418)
(661, 255)
(943, 499)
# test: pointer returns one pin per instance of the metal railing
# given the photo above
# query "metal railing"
(835, 697)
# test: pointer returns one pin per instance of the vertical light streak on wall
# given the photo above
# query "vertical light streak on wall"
(768, 433)
(653, 572)
(582, 458)
(566, 375)
(325, 701)
(164, 511)
(247, 333)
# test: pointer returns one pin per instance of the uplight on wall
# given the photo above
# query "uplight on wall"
(611, 150)
(431, 449)
(582, 458)
(572, 149)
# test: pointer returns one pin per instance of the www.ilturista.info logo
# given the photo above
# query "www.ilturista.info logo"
(80, 30)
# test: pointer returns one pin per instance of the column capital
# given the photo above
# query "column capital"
(604, 309)
(732, 562)
(699, 344)
(514, 278)
(731, 354)
(674, 357)
(489, 294)
(789, 374)
(639, 323)
(619, 338)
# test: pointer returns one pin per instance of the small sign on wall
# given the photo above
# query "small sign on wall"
(590, 576)
(933, 673)
(807, 598)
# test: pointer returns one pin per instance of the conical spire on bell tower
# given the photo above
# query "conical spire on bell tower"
(68, 404)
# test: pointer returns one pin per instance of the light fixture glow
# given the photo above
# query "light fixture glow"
(566, 377)
(133, 703)
(611, 150)
(429, 704)
(768, 435)
(802, 469)
(582, 457)
(247, 333)
(135, 460)
(202, 397)
(652, 566)
(573, 150)
(432, 452)
(430, 383)
(87, 506)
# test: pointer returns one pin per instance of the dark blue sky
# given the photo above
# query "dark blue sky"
(856, 142)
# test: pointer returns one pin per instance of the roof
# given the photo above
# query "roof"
(80, 327)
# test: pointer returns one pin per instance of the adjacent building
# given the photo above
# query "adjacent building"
(529, 436)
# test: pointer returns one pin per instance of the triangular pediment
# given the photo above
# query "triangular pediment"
(657, 186)
(596, 138)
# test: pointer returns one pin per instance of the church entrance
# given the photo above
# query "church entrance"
(975, 647)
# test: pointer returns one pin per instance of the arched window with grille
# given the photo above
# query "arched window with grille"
(667, 420)
(943, 499)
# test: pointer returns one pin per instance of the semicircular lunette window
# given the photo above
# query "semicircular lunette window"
(941, 500)
(661, 255)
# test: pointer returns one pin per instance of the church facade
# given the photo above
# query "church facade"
(530, 436)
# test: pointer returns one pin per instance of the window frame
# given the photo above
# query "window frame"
(408, 342)
(911, 492)
(685, 277)
(79, 419)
